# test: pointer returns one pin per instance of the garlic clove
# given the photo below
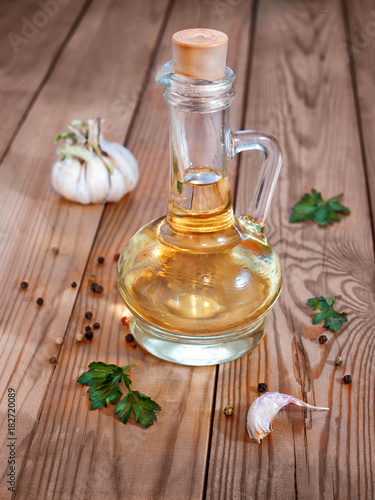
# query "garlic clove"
(125, 161)
(82, 189)
(65, 176)
(118, 186)
(97, 178)
(264, 409)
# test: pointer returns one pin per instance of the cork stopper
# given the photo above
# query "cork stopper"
(200, 53)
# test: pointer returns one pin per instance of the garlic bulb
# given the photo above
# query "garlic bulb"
(264, 409)
(91, 169)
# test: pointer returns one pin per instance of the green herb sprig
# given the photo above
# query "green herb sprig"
(104, 388)
(333, 320)
(312, 206)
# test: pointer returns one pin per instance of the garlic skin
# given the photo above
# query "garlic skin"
(264, 409)
(91, 169)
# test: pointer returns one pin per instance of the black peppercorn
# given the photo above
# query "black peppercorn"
(40, 301)
(89, 335)
(116, 256)
(88, 328)
(73, 284)
(129, 337)
(100, 260)
(52, 360)
(88, 315)
(24, 285)
(323, 339)
(262, 388)
(96, 325)
(55, 250)
(347, 379)
(95, 287)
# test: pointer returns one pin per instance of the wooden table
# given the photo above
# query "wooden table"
(305, 72)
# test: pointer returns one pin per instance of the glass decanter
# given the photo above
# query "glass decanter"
(199, 281)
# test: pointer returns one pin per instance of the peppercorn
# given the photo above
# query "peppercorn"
(89, 335)
(73, 284)
(24, 285)
(262, 387)
(96, 325)
(129, 338)
(79, 337)
(323, 339)
(338, 361)
(116, 256)
(91, 277)
(95, 287)
(54, 250)
(40, 301)
(52, 360)
(59, 340)
(125, 320)
(347, 379)
(228, 411)
(88, 328)
(100, 260)
(88, 315)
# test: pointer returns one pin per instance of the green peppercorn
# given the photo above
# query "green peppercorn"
(338, 361)
(228, 411)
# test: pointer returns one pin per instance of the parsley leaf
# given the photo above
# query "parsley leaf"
(312, 206)
(143, 406)
(104, 387)
(333, 320)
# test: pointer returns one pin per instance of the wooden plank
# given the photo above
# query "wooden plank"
(360, 50)
(297, 68)
(32, 35)
(80, 454)
(92, 73)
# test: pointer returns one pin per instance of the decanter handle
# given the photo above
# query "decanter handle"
(245, 140)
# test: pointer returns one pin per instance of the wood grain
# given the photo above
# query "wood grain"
(31, 41)
(80, 454)
(298, 73)
(35, 219)
(359, 50)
